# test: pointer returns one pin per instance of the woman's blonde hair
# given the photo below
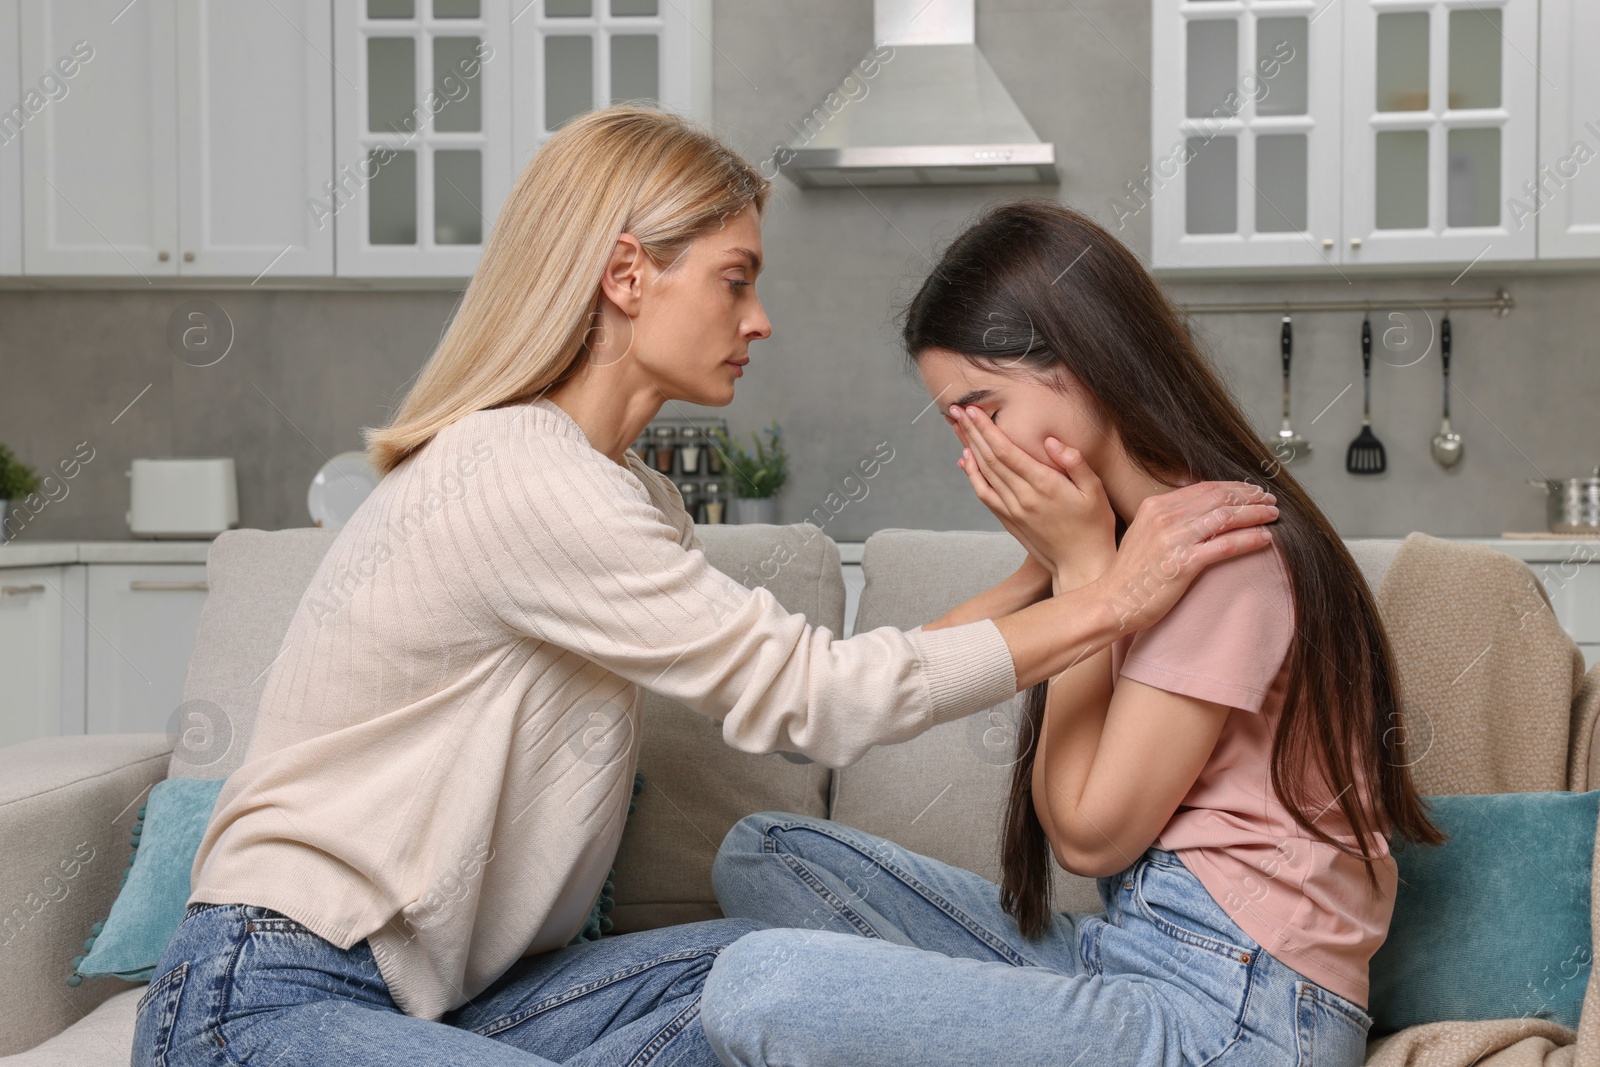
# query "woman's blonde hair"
(522, 322)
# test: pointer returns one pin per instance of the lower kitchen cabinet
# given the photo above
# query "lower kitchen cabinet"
(95, 647)
(142, 620)
(36, 651)
(1573, 583)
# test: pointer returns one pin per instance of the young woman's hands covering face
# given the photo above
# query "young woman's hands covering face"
(1059, 513)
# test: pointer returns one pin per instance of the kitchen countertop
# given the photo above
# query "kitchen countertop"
(1540, 550)
(19, 553)
(1574, 549)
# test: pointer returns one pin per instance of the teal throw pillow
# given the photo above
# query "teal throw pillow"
(129, 942)
(1494, 923)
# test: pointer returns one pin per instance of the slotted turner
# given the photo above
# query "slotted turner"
(1365, 454)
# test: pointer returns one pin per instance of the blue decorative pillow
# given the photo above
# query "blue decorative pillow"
(155, 889)
(128, 943)
(1494, 923)
(599, 923)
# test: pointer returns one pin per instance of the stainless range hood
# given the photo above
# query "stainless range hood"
(933, 113)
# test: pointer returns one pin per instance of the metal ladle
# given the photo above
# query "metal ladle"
(1446, 443)
(1287, 445)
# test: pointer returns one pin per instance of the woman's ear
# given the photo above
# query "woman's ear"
(622, 281)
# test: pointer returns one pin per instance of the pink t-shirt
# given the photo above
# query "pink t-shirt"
(1303, 900)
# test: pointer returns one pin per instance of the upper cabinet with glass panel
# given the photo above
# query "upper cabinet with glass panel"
(592, 53)
(1441, 129)
(1246, 138)
(1342, 132)
(441, 103)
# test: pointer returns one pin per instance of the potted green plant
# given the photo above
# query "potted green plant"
(17, 480)
(756, 478)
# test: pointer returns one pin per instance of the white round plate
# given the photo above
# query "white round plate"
(339, 488)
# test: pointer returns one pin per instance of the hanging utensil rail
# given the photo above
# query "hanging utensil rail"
(1501, 304)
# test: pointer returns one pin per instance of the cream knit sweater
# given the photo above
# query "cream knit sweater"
(446, 744)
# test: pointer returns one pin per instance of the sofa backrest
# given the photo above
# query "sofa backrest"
(696, 786)
(940, 794)
(256, 579)
(943, 794)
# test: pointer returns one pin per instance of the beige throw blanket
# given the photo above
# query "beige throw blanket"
(1496, 701)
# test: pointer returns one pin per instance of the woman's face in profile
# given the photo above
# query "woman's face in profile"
(697, 317)
(1025, 408)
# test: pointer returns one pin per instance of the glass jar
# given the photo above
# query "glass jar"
(714, 454)
(665, 438)
(646, 448)
(714, 504)
(690, 450)
(691, 501)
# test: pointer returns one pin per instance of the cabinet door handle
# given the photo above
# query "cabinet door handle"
(20, 590)
(142, 586)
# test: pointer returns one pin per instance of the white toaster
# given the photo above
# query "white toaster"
(174, 497)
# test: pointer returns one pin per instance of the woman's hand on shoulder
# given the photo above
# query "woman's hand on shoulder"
(1176, 535)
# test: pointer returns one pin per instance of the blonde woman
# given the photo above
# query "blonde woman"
(420, 826)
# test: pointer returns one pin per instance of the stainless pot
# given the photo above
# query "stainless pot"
(1573, 504)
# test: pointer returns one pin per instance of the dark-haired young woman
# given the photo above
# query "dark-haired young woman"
(1231, 776)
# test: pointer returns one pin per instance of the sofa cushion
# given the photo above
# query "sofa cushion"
(103, 1038)
(155, 887)
(941, 794)
(1494, 923)
(67, 808)
(1374, 555)
(695, 786)
(256, 579)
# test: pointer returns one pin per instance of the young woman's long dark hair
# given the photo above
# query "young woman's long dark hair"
(1033, 286)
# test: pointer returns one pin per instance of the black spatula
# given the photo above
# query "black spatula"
(1365, 455)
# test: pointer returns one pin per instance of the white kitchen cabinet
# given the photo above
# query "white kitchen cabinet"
(576, 55)
(11, 125)
(191, 140)
(303, 138)
(1568, 194)
(35, 652)
(1416, 128)
(100, 163)
(142, 620)
(255, 137)
(446, 101)
(1441, 128)
(1246, 117)
(424, 133)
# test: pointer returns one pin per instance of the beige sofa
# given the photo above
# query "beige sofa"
(939, 794)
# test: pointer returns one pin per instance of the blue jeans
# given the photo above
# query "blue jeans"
(887, 957)
(245, 984)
